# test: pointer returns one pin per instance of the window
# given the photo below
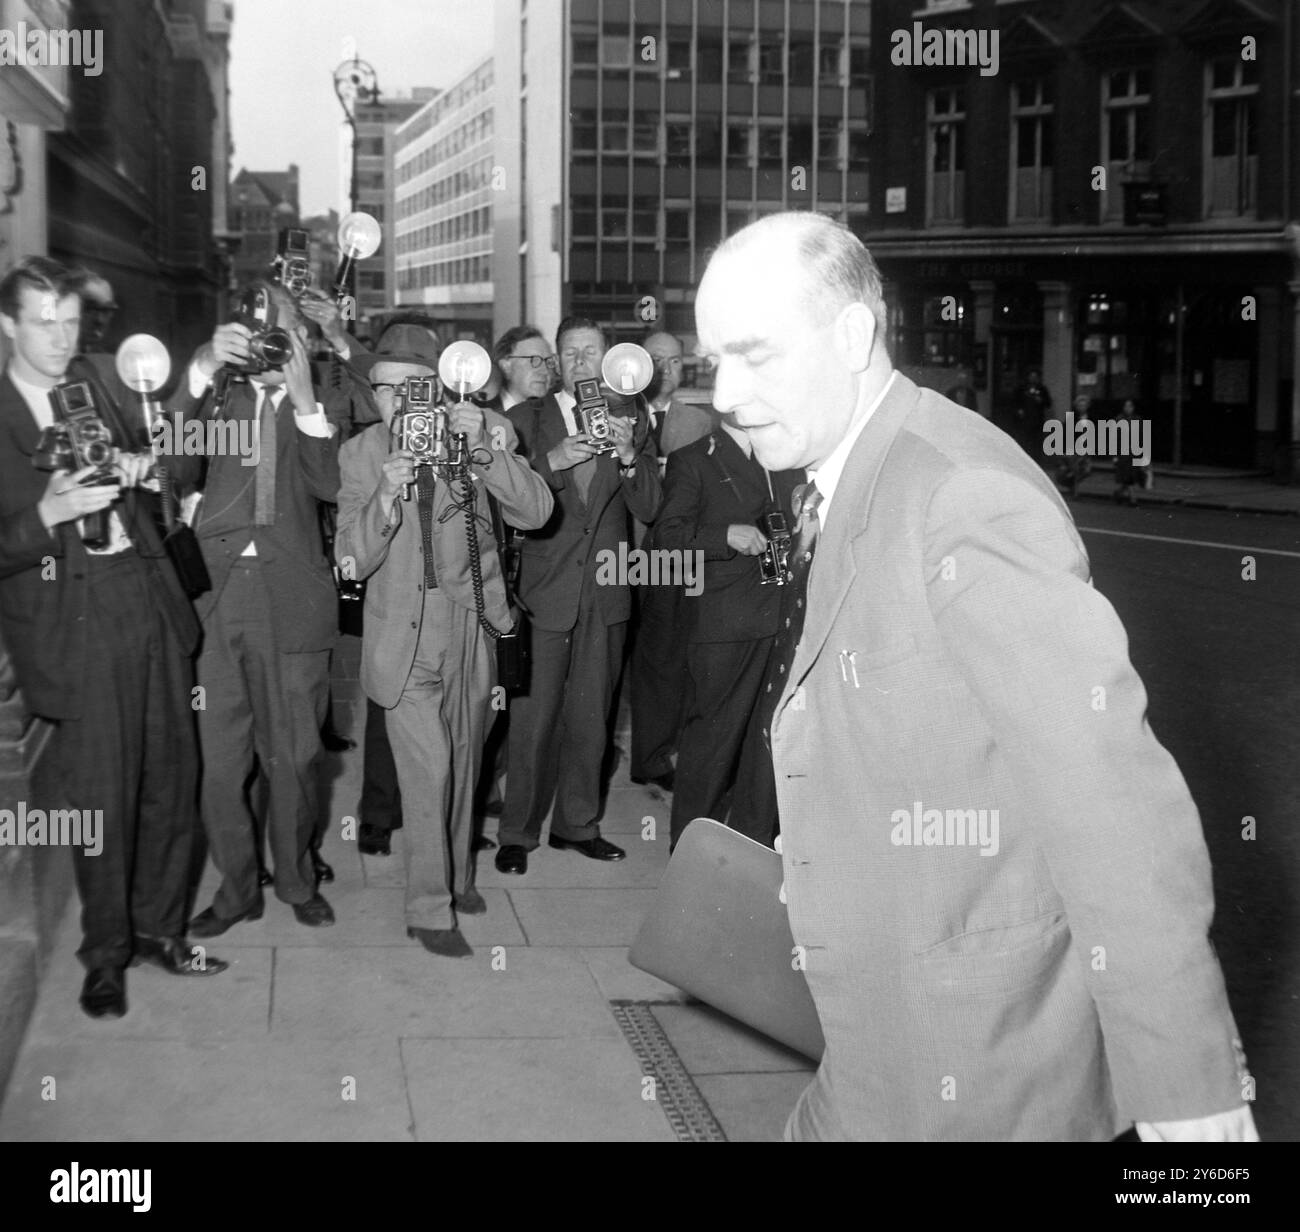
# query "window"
(616, 50)
(677, 140)
(738, 143)
(740, 60)
(708, 142)
(708, 60)
(1125, 134)
(679, 59)
(799, 143)
(584, 132)
(770, 145)
(645, 219)
(613, 132)
(613, 223)
(1031, 151)
(829, 146)
(1231, 140)
(859, 148)
(677, 223)
(830, 57)
(946, 179)
(645, 139)
(801, 62)
(859, 66)
(771, 60)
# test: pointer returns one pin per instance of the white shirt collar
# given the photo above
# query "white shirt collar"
(827, 476)
(566, 402)
(37, 399)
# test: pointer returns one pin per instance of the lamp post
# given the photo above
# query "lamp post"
(354, 79)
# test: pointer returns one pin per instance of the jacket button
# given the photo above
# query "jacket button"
(412, 624)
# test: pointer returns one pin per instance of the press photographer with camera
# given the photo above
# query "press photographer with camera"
(101, 637)
(271, 616)
(559, 729)
(415, 520)
(716, 497)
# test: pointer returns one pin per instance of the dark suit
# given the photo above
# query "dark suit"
(559, 728)
(269, 622)
(103, 645)
(711, 486)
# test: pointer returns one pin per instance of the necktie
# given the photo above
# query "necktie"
(794, 601)
(264, 502)
(657, 426)
(424, 498)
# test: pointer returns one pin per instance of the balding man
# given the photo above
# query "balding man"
(999, 943)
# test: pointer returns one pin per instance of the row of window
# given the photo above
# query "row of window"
(767, 143)
(1230, 143)
(644, 223)
(477, 128)
(477, 175)
(766, 59)
(458, 96)
(446, 273)
(449, 231)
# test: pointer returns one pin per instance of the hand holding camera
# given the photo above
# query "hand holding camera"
(620, 436)
(297, 378)
(318, 307)
(229, 345)
(66, 498)
(745, 539)
(570, 451)
(398, 474)
(137, 470)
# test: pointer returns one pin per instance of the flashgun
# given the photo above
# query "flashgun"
(464, 366)
(144, 365)
(359, 238)
(627, 368)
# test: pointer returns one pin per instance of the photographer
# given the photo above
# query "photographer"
(426, 658)
(559, 729)
(101, 639)
(715, 500)
(270, 619)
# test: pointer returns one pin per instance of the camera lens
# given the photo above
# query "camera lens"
(273, 347)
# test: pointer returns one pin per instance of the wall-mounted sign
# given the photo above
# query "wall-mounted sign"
(895, 200)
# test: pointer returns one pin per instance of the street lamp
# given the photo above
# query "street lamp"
(355, 79)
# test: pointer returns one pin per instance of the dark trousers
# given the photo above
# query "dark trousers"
(660, 682)
(725, 678)
(753, 803)
(264, 704)
(559, 731)
(132, 755)
(381, 798)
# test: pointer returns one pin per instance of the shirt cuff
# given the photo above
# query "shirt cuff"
(197, 381)
(315, 424)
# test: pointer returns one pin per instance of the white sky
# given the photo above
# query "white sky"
(282, 59)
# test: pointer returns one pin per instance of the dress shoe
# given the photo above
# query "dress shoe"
(470, 903)
(265, 878)
(174, 956)
(103, 995)
(593, 848)
(664, 780)
(320, 868)
(336, 743)
(445, 941)
(209, 924)
(483, 843)
(315, 912)
(372, 841)
(512, 859)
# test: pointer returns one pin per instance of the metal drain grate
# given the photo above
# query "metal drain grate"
(687, 1112)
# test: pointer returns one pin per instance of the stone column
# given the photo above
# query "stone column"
(983, 290)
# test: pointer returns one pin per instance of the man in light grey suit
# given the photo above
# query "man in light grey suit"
(995, 875)
(426, 657)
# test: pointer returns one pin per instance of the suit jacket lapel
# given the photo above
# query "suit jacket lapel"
(833, 569)
(18, 418)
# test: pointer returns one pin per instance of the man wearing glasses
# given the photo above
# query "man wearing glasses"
(559, 729)
(528, 366)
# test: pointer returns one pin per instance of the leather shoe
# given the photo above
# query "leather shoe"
(174, 956)
(320, 868)
(209, 924)
(470, 903)
(265, 878)
(103, 995)
(512, 858)
(664, 780)
(483, 843)
(593, 848)
(315, 912)
(372, 841)
(445, 941)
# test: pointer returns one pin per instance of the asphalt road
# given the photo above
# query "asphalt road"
(1220, 657)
